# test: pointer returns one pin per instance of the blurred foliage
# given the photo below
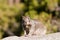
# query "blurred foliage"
(36, 9)
(32, 14)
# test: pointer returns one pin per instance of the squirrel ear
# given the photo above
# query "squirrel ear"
(23, 17)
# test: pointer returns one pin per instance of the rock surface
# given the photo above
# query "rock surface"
(53, 36)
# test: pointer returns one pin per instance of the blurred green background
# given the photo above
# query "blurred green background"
(12, 10)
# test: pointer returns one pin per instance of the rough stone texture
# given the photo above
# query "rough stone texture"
(53, 36)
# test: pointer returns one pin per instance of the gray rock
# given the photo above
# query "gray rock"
(53, 36)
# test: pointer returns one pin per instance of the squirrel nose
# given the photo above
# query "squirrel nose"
(27, 26)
